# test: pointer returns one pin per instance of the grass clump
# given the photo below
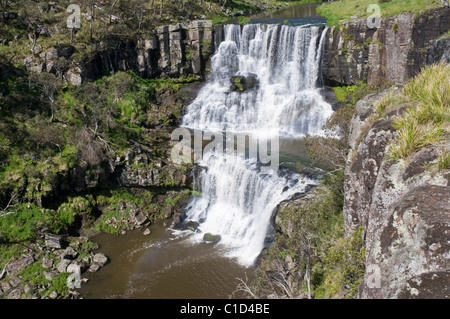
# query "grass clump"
(427, 117)
(444, 160)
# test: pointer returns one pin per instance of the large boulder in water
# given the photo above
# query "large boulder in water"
(242, 83)
(210, 238)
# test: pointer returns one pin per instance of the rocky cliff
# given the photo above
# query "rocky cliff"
(394, 52)
(173, 51)
(404, 207)
(353, 52)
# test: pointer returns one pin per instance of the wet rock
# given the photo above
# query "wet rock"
(94, 268)
(146, 232)
(243, 83)
(210, 238)
(100, 259)
(192, 225)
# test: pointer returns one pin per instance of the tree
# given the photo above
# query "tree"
(32, 18)
(47, 85)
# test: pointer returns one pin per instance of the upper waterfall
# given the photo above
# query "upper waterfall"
(285, 62)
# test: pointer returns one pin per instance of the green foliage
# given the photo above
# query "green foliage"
(243, 20)
(344, 93)
(427, 118)
(345, 9)
(317, 242)
(23, 223)
(342, 269)
(395, 28)
(444, 160)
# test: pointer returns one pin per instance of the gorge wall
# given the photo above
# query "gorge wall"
(395, 51)
(172, 51)
(404, 208)
(353, 52)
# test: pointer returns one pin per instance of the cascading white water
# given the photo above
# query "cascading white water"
(285, 60)
(237, 203)
(237, 200)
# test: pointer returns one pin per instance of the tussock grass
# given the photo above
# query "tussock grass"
(428, 116)
(444, 160)
(383, 104)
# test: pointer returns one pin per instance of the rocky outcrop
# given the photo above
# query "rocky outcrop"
(404, 208)
(439, 51)
(395, 51)
(172, 51)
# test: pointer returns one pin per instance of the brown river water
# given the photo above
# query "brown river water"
(162, 265)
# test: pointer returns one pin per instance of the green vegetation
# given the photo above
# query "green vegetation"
(347, 9)
(84, 124)
(444, 160)
(427, 116)
(344, 93)
(329, 264)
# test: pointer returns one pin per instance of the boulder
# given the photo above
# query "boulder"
(69, 253)
(140, 219)
(63, 264)
(16, 266)
(16, 293)
(192, 225)
(210, 238)
(242, 83)
(53, 241)
(47, 262)
(49, 275)
(100, 259)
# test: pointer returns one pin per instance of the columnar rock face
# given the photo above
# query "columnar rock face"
(395, 51)
(404, 208)
(172, 51)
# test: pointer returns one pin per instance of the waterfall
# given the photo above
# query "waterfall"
(237, 199)
(285, 61)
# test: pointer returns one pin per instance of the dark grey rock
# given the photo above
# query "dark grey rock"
(210, 238)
